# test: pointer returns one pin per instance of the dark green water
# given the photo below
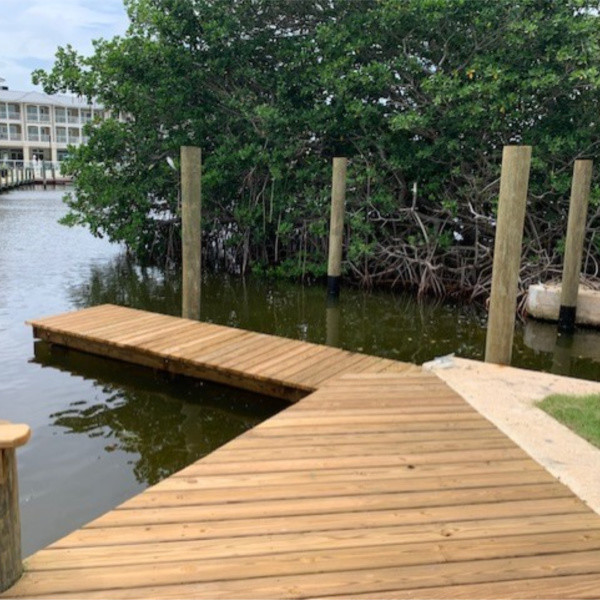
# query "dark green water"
(104, 431)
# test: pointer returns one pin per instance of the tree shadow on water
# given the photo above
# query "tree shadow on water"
(164, 422)
(125, 282)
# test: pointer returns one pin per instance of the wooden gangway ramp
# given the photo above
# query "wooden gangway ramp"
(377, 485)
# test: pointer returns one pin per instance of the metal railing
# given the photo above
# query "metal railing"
(35, 165)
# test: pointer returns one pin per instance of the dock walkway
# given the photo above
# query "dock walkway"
(268, 364)
(378, 484)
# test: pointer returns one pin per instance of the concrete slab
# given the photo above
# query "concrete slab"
(507, 396)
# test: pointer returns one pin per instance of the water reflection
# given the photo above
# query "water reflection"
(332, 318)
(380, 323)
(164, 422)
(122, 281)
(566, 350)
(392, 325)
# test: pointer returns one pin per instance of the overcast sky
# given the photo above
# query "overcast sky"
(31, 30)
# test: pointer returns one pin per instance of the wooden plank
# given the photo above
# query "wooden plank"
(90, 535)
(317, 562)
(177, 580)
(341, 439)
(352, 462)
(556, 587)
(472, 531)
(158, 496)
(283, 452)
(184, 478)
(292, 507)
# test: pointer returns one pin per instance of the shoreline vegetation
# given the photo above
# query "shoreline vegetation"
(420, 96)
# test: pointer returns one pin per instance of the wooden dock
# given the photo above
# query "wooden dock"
(11, 178)
(379, 484)
(276, 366)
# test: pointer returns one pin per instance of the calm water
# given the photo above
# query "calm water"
(104, 431)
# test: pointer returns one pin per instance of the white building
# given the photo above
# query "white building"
(35, 126)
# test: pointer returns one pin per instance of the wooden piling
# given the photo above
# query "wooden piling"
(336, 226)
(507, 253)
(191, 229)
(11, 566)
(580, 194)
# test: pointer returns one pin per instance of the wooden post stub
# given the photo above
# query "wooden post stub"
(580, 194)
(336, 226)
(11, 565)
(191, 229)
(512, 201)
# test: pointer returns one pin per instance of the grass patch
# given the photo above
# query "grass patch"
(581, 414)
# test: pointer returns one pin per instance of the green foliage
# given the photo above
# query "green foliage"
(424, 91)
(581, 414)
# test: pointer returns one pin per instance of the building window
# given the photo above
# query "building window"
(61, 135)
(33, 133)
(44, 114)
(14, 112)
(14, 133)
(73, 136)
(32, 113)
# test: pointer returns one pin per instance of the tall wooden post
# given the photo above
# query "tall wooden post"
(514, 182)
(191, 229)
(11, 566)
(336, 226)
(580, 194)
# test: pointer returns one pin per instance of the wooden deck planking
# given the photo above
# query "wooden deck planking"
(377, 484)
(285, 368)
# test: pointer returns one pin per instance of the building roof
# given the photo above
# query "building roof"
(52, 100)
